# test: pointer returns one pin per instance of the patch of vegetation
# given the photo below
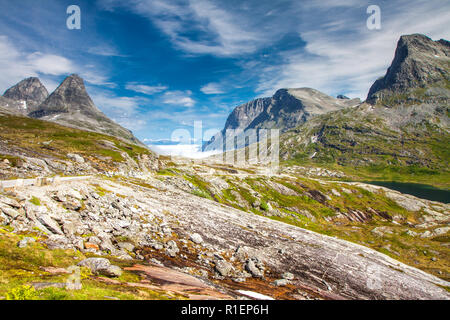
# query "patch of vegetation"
(202, 194)
(36, 201)
(168, 172)
(20, 267)
(43, 137)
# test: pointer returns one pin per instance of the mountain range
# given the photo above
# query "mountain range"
(403, 122)
(69, 105)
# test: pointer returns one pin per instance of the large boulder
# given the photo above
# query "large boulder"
(101, 266)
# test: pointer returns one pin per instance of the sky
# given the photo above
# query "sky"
(157, 66)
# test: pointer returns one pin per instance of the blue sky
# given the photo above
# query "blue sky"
(156, 66)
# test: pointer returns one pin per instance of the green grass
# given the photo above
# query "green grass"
(20, 267)
(36, 201)
(41, 137)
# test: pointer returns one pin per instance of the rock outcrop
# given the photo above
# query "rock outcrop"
(28, 95)
(419, 62)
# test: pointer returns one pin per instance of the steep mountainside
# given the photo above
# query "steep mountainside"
(70, 105)
(404, 124)
(286, 109)
(26, 96)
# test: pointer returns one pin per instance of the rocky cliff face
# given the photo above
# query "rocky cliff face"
(28, 94)
(419, 62)
(287, 109)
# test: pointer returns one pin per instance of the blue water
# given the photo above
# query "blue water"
(422, 191)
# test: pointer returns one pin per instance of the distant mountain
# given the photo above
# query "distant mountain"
(69, 105)
(28, 95)
(287, 109)
(405, 120)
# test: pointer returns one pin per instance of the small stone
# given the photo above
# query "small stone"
(196, 238)
(10, 212)
(281, 282)
(287, 276)
(426, 234)
(223, 267)
(101, 266)
(75, 157)
(411, 233)
(126, 246)
(255, 267)
(381, 231)
(25, 242)
(89, 245)
(50, 224)
(111, 271)
(172, 248)
(241, 254)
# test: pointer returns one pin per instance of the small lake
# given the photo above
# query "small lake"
(422, 191)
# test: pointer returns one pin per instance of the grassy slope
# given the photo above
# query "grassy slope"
(365, 149)
(19, 267)
(30, 135)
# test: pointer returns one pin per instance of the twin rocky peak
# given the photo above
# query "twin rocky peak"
(69, 105)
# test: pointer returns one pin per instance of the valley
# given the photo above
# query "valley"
(138, 225)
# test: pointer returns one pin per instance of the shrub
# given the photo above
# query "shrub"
(22, 293)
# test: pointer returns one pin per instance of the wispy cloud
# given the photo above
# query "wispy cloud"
(16, 65)
(124, 110)
(212, 88)
(179, 98)
(216, 30)
(145, 89)
(105, 51)
(343, 56)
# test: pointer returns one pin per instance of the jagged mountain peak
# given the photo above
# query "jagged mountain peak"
(28, 93)
(418, 62)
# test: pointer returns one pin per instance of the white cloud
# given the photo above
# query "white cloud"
(16, 66)
(50, 64)
(192, 151)
(212, 88)
(148, 90)
(179, 98)
(118, 104)
(343, 56)
(123, 110)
